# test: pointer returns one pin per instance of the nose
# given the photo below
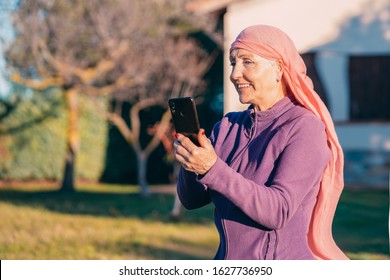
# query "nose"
(236, 73)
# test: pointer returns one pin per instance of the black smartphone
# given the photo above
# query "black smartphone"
(185, 117)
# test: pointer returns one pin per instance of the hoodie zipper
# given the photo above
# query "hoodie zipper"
(276, 244)
(252, 132)
(250, 136)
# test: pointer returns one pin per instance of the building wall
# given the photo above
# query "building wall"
(334, 30)
(354, 27)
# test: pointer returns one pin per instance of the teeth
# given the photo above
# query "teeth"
(243, 85)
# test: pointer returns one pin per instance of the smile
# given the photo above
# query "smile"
(243, 85)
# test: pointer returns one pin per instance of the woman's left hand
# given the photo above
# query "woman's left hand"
(193, 158)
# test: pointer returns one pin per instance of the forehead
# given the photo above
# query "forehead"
(241, 53)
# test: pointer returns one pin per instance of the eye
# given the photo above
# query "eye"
(232, 63)
(248, 62)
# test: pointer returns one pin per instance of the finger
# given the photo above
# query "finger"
(184, 162)
(185, 142)
(179, 158)
(201, 137)
(176, 144)
(203, 140)
(180, 152)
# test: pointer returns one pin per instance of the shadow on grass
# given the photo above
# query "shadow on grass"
(156, 207)
(360, 227)
(361, 223)
(157, 253)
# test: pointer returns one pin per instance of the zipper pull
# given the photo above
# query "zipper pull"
(252, 129)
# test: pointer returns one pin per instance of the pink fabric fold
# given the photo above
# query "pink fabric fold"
(272, 43)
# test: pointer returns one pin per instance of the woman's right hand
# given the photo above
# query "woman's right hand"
(193, 158)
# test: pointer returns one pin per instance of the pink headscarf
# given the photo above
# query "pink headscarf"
(272, 43)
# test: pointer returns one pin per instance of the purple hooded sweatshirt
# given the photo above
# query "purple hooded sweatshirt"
(264, 183)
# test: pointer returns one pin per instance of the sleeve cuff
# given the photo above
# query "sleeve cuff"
(212, 176)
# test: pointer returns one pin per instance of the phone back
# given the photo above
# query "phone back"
(184, 116)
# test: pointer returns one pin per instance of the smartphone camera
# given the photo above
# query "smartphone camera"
(173, 108)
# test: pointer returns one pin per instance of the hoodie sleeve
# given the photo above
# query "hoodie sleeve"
(191, 192)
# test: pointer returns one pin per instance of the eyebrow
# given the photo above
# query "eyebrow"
(248, 55)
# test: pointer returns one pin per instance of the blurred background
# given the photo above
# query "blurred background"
(86, 169)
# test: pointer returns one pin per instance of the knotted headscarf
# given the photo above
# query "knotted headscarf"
(272, 43)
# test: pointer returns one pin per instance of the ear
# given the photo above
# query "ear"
(279, 65)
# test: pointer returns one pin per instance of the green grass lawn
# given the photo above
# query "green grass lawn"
(114, 222)
(361, 223)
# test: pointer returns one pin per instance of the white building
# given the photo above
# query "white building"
(347, 48)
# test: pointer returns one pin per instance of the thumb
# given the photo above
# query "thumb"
(202, 139)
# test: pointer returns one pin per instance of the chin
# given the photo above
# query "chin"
(243, 100)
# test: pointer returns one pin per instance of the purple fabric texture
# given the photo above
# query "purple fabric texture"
(264, 183)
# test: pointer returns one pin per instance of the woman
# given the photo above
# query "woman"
(275, 171)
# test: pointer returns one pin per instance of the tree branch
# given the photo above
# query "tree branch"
(37, 84)
(122, 126)
(121, 83)
(134, 114)
(162, 127)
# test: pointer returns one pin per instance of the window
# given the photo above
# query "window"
(369, 81)
(311, 71)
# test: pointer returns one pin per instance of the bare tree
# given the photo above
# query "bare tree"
(106, 47)
(181, 67)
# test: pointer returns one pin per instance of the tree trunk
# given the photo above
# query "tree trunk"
(72, 141)
(68, 178)
(132, 137)
(178, 209)
(142, 159)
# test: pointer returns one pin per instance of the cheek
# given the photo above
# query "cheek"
(268, 79)
(261, 80)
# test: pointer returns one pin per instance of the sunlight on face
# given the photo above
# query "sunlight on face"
(255, 78)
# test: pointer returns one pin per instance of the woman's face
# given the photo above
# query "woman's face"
(256, 79)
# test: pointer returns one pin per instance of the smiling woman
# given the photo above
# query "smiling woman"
(273, 171)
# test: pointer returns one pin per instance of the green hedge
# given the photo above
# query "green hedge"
(32, 143)
(32, 139)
